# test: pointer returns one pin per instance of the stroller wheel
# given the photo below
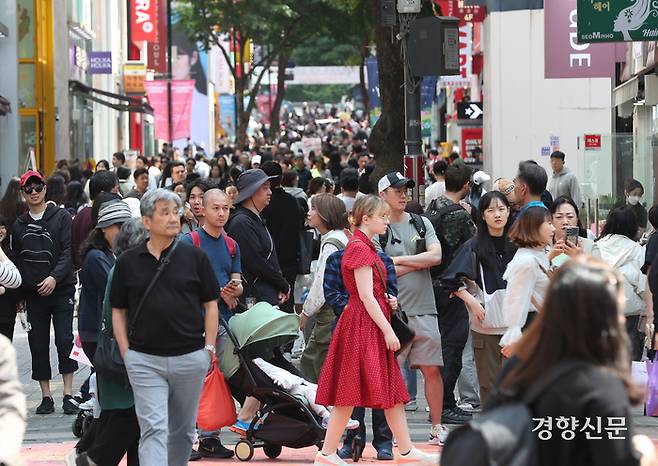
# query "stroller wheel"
(77, 426)
(272, 451)
(244, 450)
(357, 449)
(86, 422)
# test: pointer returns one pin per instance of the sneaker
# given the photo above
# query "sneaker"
(86, 406)
(321, 460)
(79, 399)
(47, 406)
(351, 423)
(213, 448)
(452, 416)
(461, 412)
(241, 427)
(68, 406)
(195, 456)
(411, 406)
(469, 407)
(415, 456)
(438, 434)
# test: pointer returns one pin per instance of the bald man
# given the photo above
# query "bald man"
(224, 255)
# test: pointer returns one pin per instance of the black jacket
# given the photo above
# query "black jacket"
(284, 222)
(58, 223)
(260, 267)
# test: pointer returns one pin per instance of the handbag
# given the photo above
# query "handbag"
(399, 320)
(216, 406)
(107, 359)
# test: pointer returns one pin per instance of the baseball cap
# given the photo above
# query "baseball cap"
(394, 180)
(256, 159)
(31, 174)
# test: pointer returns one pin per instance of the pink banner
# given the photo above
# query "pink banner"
(181, 98)
(564, 57)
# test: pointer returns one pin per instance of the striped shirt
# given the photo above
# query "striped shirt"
(10, 277)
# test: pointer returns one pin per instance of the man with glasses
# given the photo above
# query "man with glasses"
(412, 243)
(42, 243)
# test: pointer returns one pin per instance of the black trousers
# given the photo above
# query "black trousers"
(89, 347)
(454, 328)
(41, 311)
(290, 274)
(117, 433)
(382, 437)
(7, 329)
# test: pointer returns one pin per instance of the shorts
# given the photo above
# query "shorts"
(426, 349)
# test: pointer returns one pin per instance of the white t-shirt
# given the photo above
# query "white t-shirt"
(349, 201)
(434, 190)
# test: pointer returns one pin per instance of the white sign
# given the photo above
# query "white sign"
(473, 111)
(465, 58)
(312, 144)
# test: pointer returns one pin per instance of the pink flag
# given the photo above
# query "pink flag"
(181, 98)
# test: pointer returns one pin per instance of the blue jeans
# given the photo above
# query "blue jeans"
(411, 379)
(382, 436)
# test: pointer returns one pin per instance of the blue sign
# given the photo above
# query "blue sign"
(100, 63)
(373, 90)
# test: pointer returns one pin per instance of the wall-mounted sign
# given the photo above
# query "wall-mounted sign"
(143, 20)
(617, 21)
(100, 63)
(134, 75)
(592, 142)
(470, 110)
(156, 50)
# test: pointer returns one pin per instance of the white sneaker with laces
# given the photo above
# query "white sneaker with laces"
(351, 423)
(415, 456)
(331, 460)
(438, 435)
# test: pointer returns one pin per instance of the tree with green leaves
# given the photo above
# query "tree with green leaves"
(275, 26)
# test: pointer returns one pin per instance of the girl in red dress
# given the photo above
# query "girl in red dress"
(361, 369)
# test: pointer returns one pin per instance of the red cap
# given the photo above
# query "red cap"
(31, 174)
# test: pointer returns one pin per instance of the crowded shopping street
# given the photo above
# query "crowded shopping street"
(412, 232)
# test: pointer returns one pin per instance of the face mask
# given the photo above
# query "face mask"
(633, 200)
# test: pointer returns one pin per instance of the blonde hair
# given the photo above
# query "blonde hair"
(367, 206)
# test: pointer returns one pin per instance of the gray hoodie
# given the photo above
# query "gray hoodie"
(565, 183)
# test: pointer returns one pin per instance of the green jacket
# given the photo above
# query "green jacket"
(112, 395)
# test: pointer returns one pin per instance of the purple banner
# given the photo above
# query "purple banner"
(564, 56)
(100, 63)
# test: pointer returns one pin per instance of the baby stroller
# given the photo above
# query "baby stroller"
(283, 420)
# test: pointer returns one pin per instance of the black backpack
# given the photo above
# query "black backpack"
(36, 254)
(502, 435)
(418, 223)
(436, 216)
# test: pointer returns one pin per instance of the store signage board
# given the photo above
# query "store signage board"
(470, 110)
(617, 21)
(100, 63)
(143, 20)
(592, 142)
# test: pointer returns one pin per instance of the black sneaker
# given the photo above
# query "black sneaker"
(47, 406)
(452, 416)
(213, 448)
(195, 456)
(69, 406)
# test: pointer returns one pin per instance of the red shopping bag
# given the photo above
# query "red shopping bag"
(216, 406)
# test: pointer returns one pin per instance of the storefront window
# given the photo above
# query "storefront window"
(26, 29)
(28, 139)
(26, 85)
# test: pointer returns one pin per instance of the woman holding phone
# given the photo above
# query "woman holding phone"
(570, 237)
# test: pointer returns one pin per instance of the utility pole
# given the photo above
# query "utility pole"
(169, 76)
(413, 155)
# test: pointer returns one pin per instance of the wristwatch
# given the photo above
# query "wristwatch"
(210, 348)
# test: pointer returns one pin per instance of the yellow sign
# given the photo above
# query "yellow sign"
(134, 75)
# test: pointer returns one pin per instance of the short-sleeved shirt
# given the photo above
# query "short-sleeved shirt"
(221, 261)
(171, 322)
(416, 295)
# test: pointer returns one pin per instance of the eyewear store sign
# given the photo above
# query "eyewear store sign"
(617, 20)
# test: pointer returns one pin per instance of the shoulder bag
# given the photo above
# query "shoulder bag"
(107, 359)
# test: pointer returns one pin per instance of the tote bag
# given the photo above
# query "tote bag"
(216, 406)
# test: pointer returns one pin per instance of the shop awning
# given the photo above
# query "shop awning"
(5, 106)
(625, 92)
(124, 104)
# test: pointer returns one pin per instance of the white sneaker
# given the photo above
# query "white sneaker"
(332, 460)
(415, 456)
(87, 405)
(469, 408)
(438, 434)
(351, 423)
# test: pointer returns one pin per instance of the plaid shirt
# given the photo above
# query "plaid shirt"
(335, 294)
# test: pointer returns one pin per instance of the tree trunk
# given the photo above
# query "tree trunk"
(240, 126)
(387, 138)
(362, 76)
(275, 112)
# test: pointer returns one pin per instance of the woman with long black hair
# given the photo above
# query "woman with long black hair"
(476, 277)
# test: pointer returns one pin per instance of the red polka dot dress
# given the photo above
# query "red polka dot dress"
(359, 370)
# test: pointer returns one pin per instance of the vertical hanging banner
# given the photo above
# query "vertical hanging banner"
(427, 96)
(157, 50)
(564, 56)
(373, 90)
(156, 91)
(143, 20)
(181, 102)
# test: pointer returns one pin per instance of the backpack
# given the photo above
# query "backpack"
(418, 223)
(36, 255)
(230, 242)
(503, 435)
(436, 216)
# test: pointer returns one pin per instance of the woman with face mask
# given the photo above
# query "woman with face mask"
(633, 192)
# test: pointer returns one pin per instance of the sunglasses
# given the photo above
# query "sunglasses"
(30, 189)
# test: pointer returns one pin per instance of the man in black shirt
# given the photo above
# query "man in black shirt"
(163, 342)
(261, 273)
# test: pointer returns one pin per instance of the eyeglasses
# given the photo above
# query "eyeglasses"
(30, 189)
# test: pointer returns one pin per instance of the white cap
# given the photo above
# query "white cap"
(256, 159)
(480, 177)
(395, 179)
